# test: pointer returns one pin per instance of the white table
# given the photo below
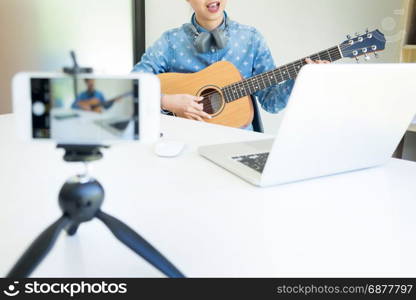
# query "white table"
(87, 125)
(207, 221)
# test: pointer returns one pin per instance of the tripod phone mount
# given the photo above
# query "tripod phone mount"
(80, 200)
(75, 70)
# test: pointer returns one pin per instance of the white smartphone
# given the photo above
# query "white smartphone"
(94, 110)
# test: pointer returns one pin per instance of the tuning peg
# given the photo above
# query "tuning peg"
(357, 60)
(367, 31)
(366, 57)
(349, 36)
(357, 34)
(376, 55)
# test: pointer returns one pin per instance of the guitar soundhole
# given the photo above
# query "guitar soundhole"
(212, 101)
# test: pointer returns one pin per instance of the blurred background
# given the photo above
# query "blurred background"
(37, 35)
(110, 35)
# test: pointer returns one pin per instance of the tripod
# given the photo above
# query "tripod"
(80, 200)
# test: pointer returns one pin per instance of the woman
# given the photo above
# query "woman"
(211, 37)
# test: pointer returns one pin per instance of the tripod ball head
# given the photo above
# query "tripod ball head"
(80, 198)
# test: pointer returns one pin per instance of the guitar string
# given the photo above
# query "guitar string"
(248, 87)
(330, 52)
(266, 74)
(292, 73)
(246, 83)
(249, 82)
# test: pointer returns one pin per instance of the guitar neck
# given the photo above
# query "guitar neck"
(260, 82)
(120, 96)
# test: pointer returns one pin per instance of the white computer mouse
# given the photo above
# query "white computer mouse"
(169, 148)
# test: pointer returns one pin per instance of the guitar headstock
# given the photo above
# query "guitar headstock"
(370, 42)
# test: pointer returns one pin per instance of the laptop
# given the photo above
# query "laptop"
(118, 126)
(339, 118)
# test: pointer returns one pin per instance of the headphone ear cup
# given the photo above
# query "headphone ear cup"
(203, 42)
(220, 38)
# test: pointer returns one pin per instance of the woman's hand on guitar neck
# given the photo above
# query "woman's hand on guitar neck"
(185, 106)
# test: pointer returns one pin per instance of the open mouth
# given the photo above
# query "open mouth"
(214, 7)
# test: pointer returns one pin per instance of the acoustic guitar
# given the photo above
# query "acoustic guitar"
(227, 96)
(95, 105)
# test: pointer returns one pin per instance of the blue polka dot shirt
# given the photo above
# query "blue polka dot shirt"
(246, 48)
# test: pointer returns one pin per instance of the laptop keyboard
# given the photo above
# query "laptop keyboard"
(253, 161)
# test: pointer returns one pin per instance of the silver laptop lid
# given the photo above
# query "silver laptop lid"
(341, 118)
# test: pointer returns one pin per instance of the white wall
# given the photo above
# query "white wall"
(38, 35)
(295, 28)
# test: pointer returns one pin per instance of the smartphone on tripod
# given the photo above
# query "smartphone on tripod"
(82, 114)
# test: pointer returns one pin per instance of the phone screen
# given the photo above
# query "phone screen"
(90, 110)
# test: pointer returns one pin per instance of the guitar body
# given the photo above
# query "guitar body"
(92, 104)
(209, 82)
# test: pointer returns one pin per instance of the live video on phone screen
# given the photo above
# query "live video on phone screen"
(91, 111)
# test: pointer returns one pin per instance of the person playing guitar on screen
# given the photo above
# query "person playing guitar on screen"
(211, 37)
(93, 100)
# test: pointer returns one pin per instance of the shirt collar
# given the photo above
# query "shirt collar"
(199, 28)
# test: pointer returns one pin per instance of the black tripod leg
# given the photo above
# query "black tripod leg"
(139, 245)
(38, 250)
(72, 229)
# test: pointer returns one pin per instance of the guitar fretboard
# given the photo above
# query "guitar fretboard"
(290, 71)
